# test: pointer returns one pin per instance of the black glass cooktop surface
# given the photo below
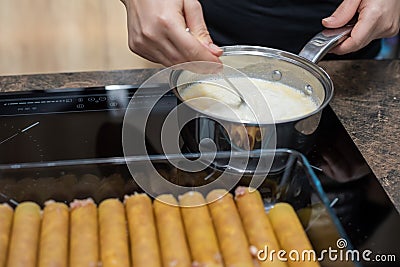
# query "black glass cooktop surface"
(84, 123)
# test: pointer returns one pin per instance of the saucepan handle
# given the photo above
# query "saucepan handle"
(324, 41)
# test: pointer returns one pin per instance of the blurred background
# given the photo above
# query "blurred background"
(44, 36)
(390, 48)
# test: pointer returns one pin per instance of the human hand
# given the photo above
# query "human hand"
(157, 31)
(376, 19)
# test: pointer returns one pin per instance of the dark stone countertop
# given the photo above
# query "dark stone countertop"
(367, 101)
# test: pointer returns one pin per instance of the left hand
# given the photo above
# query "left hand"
(376, 19)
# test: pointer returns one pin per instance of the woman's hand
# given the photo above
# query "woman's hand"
(376, 19)
(157, 31)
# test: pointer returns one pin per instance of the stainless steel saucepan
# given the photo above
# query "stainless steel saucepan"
(298, 71)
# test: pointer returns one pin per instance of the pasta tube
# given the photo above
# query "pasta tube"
(231, 236)
(6, 216)
(291, 235)
(142, 231)
(84, 250)
(200, 232)
(25, 235)
(171, 231)
(257, 226)
(53, 248)
(113, 234)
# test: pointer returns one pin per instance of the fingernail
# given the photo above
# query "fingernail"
(215, 48)
(329, 19)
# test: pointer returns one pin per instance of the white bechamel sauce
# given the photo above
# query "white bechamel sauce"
(266, 102)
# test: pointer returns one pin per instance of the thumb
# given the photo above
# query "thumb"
(197, 26)
(342, 15)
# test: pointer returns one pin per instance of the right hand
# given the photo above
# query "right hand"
(376, 19)
(157, 31)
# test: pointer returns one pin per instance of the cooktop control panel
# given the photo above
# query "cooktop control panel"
(69, 100)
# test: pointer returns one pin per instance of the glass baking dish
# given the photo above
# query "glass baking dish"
(290, 179)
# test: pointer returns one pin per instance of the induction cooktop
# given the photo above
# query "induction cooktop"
(84, 123)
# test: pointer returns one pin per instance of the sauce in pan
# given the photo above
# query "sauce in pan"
(266, 101)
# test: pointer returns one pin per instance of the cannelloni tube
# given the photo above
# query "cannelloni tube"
(53, 250)
(84, 248)
(142, 231)
(171, 231)
(291, 235)
(25, 235)
(258, 228)
(231, 236)
(6, 216)
(113, 234)
(199, 229)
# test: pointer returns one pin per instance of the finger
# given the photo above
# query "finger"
(361, 35)
(190, 47)
(195, 22)
(342, 15)
(171, 52)
(166, 41)
(168, 51)
(154, 47)
(173, 46)
(148, 35)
